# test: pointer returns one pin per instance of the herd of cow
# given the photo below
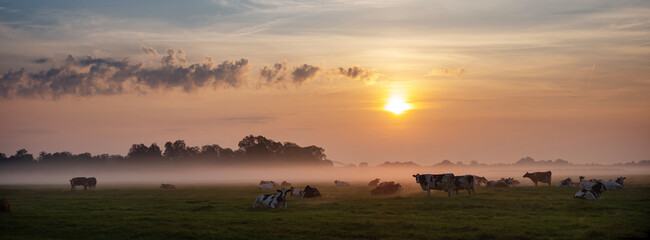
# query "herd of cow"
(448, 182)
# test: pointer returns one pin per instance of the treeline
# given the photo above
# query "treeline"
(252, 150)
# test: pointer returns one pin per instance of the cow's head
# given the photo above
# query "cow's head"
(620, 180)
(417, 178)
(283, 195)
(528, 175)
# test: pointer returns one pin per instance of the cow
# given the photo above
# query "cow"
(310, 192)
(91, 182)
(4, 205)
(341, 183)
(294, 192)
(503, 182)
(588, 183)
(611, 185)
(285, 184)
(544, 177)
(464, 183)
(277, 200)
(620, 180)
(266, 186)
(78, 181)
(590, 193)
(374, 182)
(565, 183)
(271, 182)
(386, 188)
(478, 180)
(168, 186)
(436, 181)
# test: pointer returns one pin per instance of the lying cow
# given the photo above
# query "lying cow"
(386, 188)
(285, 184)
(374, 182)
(611, 185)
(590, 193)
(294, 192)
(266, 186)
(503, 182)
(464, 183)
(278, 200)
(341, 183)
(78, 181)
(565, 183)
(620, 180)
(271, 182)
(167, 186)
(4, 205)
(587, 183)
(478, 180)
(544, 177)
(443, 182)
(310, 192)
(91, 182)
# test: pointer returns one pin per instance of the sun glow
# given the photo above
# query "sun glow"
(397, 104)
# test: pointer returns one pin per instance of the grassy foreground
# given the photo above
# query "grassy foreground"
(224, 212)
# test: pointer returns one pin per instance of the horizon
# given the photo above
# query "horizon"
(368, 82)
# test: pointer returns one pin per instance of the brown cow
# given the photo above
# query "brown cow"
(374, 182)
(285, 184)
(4, 205)
(544, 177)
(91, 182)
(386, 188)
(78, 181)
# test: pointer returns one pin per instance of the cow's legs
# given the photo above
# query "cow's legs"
(429, 192)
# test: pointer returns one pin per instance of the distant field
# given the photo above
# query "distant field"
(224, 212)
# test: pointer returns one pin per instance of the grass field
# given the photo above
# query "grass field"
(224, 212)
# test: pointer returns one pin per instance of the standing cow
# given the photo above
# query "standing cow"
(464, 182)
(91, 182)
(436, 181)
(278, 200)
(78, 181)
(544, 177)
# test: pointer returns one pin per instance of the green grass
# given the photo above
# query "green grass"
(224, 212)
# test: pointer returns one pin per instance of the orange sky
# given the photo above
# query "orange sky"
(491, 82)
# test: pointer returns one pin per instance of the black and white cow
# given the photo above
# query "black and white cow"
(278, 200)
(386, 188)
(503, 182)
(443, 182)
(590, 193)
(464, 183)
(341, 183)
(544, 177)
(78, 181)
(565, 183)
(478, 180)
(294, 192)
(620, 180)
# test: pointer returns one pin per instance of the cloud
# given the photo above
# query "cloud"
(449, 72)
(368, 76)
(90, 76)
(149, 51)
(40, 60)
(278, 74)
(303, 73)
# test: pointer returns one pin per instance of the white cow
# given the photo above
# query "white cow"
(590, 193)
(278, 200)
(612, 185)
(266, 186)
(341, 183)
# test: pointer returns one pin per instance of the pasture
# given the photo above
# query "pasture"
(224, 212)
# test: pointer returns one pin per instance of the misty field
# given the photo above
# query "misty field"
(224, 212)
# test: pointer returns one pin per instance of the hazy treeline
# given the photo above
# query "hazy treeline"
(252, 150)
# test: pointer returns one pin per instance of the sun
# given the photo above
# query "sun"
(397, 105)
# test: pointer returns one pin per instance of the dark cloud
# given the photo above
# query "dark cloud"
(275, 74)
(357, 73)
(303, 73)
(91, 76)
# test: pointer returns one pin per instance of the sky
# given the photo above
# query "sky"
(491, 81)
